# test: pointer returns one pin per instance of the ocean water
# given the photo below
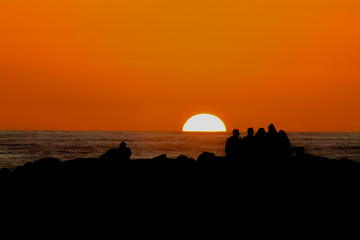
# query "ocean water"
(19, 147)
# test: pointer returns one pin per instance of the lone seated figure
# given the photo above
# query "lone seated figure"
(232, 148)
(121, 153)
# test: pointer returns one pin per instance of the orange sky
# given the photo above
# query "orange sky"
(150, 65)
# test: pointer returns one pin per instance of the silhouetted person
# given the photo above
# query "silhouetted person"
(125, 152)
(271, 130)
(233, 144)
(248, 143)
(250, 132)
(121, 153)
(259, 143)
(272, 141)
(284, 145)
(260, 133)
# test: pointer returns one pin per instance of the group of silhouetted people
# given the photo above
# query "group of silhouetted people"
(271, 144)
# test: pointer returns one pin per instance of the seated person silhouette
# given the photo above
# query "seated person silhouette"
(121, 153)
(233, 144)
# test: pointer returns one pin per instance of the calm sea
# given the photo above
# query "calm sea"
(18, 147)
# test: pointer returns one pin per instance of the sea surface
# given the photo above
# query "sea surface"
(19, 147)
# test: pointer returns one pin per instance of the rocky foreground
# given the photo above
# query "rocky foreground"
(222, 195)
(208, 171)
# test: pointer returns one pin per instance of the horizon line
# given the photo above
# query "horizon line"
(227, 131)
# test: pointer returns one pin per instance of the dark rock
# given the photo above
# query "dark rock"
(182, 158)
(160, 157)
(206, 156)
(4, 173)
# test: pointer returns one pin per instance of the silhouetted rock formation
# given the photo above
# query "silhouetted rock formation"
(298, 166)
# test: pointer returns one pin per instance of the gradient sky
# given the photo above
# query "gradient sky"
(151, 65)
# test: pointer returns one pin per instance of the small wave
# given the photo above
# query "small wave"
(347, 147)
(63, 151)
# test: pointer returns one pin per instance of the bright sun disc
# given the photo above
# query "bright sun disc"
(204, 123)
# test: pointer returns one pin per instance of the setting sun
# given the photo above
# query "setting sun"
(204, 123)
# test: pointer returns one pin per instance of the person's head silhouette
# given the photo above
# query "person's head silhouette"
(250, 131)
(272, 128)
(260, 132)
(122, 145)
(236, 133)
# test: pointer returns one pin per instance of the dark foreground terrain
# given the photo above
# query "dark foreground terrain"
(208, 172)
(208, 197)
